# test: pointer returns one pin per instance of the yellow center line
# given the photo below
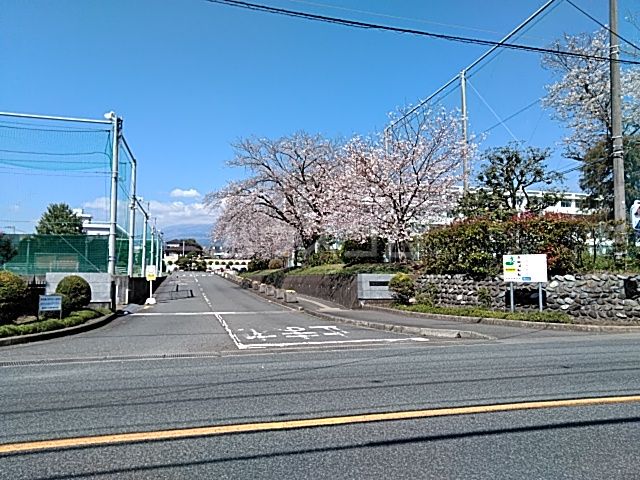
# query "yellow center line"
(158, 435)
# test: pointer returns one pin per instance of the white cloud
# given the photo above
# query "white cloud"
(180, 193)
(167, 213)
(180, 213)
(100, 203)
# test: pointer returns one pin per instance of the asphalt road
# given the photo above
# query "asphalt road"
(152, 373)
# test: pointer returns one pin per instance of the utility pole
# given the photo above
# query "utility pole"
(619, 208)
(465, 136)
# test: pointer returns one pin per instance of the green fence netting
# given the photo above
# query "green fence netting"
(39, 254)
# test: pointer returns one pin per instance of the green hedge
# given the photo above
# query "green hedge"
(475, 246)
(52, 324)
(13, 294)
(548, 317)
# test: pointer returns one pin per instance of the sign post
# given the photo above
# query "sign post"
(151, 275)
(50, 303)
(525, 269)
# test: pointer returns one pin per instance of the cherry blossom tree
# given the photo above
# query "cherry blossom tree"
(400, 181)
(287, 183)
(246, 231)
(580, 97)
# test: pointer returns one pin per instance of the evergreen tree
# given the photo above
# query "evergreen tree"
(7, 250)
(59, 219)
(505, 181)
(597, 175)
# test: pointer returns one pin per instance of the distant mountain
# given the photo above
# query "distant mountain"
(201, 233)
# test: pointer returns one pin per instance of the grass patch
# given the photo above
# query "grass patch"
(75, 318)
(329, 269)
(342, 269)
(258, 272)
(548, 317)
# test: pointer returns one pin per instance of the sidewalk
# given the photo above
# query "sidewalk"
(447, 326)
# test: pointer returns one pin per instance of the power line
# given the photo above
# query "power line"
(395, 17)
(591, 17)
(410, 31)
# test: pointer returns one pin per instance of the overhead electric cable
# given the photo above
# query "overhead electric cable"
(395, 17)
(410, 31)
(591, 17)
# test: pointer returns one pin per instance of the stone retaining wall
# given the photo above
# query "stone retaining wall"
(595, 297)
(341, 289)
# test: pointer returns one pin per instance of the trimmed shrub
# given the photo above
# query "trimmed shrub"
(275, 263)
(76, 293)
(403, 288)
(475, 246)
(256, 264)
(325, 257)
(13, 292)
(370, 250)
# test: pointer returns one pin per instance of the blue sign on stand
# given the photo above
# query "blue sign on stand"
(50, 303)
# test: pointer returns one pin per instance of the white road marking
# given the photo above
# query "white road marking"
(237, 342)
(332, 342)
(157, 314)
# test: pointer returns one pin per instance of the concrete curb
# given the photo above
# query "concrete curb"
(405, 329)
(61, 332)
(575, 327)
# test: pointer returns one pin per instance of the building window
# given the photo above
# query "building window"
(565, 203)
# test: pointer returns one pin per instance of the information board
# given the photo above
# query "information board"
(525, 268)
(151, 272)
(50, 303)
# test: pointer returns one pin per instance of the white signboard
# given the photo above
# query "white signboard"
(50, 303)
(525, 268)
(151, 273)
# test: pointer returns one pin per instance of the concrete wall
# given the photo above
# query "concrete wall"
(374, 286)
(138, 287)
(100, 285)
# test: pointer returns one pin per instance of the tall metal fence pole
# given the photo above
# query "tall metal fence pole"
(113, 211)
(144, 244)
(152, 257)
(132, 219)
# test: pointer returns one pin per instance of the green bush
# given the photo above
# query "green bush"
(484, 297)
(52, 324)
(256, 264)
(370, 250)
(325, 257)
(275, 263)
(403, 288)
(427, 295)
(76, 293)
(475, 246)
(13, 293)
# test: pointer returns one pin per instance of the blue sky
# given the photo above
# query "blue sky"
(190, 77)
